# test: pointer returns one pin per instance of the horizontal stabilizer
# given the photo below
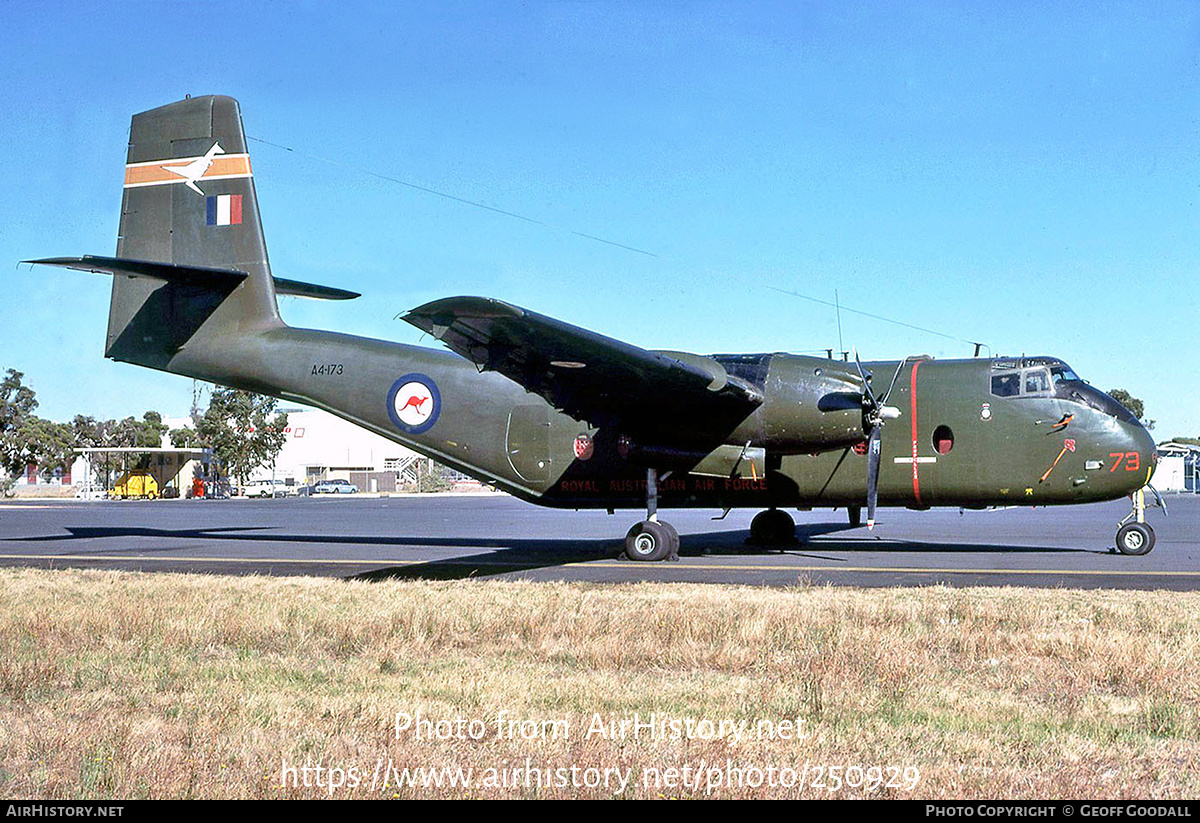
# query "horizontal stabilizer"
(191, 275)
(297, 289)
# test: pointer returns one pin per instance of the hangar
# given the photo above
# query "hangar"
(322, 446)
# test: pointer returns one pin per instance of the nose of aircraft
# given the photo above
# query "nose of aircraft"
(1136, 462)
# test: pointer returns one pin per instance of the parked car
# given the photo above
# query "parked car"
(335, 487)
(268, 488)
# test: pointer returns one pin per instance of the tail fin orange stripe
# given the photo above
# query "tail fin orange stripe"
(223, 167)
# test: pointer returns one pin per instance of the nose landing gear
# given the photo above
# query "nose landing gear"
(1134, 535)
(854, 513)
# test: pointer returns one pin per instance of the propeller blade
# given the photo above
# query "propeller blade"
(879, 413)
(870, 395)
(892, 385)
(872, 476)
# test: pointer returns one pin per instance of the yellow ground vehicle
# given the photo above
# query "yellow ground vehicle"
(139, 484)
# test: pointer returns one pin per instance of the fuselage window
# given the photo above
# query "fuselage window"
(943, 440)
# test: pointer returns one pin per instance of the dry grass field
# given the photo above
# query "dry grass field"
(116, 685)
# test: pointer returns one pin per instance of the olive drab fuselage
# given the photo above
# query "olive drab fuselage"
(959, 440)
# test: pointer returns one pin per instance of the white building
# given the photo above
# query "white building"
(321, 446)
(1178, 468)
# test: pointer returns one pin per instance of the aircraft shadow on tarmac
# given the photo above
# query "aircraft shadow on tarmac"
(506, 556)
(527, 555)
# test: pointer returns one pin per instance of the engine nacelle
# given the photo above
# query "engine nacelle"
(811, 404)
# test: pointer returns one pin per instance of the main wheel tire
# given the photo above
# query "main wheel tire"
(650, 540)
(673, 536)
(1135, 539)
(772, 527)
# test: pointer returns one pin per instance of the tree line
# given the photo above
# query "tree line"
(241, 428)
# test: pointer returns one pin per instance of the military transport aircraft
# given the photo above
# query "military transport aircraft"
(562, 416)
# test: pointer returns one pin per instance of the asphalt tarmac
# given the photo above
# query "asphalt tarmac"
(495, 536)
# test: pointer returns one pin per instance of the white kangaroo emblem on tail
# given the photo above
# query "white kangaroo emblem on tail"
(194, 170)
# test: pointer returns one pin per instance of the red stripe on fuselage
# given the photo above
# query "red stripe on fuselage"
(912, 397)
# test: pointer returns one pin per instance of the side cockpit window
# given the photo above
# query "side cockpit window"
(1006, 385)
(1033, 382)
(1037, 381)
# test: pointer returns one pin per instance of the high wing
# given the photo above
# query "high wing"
(669, 397)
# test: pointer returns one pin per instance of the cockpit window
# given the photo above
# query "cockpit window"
(1018, 383)
(1063, 373)
(1050, 377)
(1006, 385)
(1037, 381)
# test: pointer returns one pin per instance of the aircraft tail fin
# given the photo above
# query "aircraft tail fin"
(189, 200)
(189, 193)
(191, 266)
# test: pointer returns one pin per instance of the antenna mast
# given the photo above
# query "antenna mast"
(837, 305)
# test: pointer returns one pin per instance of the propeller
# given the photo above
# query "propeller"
(875, 413)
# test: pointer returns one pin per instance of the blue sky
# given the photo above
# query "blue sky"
(1021, 174)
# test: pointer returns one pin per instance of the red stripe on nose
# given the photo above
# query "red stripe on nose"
(912, 397)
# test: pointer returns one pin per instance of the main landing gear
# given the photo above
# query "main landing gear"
(854, 513)
(772, 527)
(652, 539)
(1134, 535)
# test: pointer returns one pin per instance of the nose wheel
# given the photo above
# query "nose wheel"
(1135, 539)
(854, 514)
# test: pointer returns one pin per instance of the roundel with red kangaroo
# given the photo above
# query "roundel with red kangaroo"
(414, 403)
